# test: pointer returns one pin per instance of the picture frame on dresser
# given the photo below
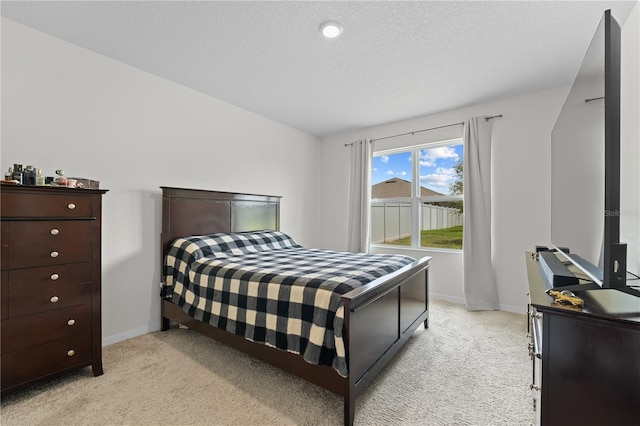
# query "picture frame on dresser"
(50, 283)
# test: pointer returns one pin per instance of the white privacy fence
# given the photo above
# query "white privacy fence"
(391, 221)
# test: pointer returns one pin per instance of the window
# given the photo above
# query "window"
(416, 196)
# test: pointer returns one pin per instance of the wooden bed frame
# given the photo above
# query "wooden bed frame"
(379, 316)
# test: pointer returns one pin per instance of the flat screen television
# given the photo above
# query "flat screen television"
(585, 168)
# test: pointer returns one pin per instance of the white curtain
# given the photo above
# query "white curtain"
(359, 196)
(480, 292)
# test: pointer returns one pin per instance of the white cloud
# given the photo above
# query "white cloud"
(443, 178)
(391, 173)
(448, 171)
(428, 157)
(384, 158)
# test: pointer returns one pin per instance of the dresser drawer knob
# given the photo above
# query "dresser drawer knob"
(71, 206)
(54, 277)
(55, 231)
(71, 352)
(55, 254)
(54, 299)
(71, 322)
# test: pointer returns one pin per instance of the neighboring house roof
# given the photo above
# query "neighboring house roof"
(396, 187)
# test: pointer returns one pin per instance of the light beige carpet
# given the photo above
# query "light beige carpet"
(468, 368)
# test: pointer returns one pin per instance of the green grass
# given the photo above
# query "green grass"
(439, 238)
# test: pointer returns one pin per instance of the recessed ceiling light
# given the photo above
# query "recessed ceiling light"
(331, 29)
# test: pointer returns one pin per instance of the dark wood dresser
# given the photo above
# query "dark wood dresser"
(586, 362)
(51, 269)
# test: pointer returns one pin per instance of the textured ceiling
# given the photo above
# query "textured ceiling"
(394, 60)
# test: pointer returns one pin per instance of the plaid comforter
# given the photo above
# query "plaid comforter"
(267, 288)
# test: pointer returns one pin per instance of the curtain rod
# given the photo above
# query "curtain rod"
(418, 131)
(426, 130)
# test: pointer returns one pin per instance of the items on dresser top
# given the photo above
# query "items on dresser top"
(50, 282)
(29, 175)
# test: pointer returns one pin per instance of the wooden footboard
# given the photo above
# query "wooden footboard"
(379, 318)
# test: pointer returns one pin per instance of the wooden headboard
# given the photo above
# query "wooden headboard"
(201, 212)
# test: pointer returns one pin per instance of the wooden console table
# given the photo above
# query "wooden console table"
(586, 362)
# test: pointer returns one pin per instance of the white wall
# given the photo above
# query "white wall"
(66, 107)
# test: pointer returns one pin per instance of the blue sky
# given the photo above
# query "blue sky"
(437, 167)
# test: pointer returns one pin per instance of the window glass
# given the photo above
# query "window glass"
(391, 175)
(441, 170)
(391, 192)
(391, 223)
(442, 224)
(431, 203)
(442, 221)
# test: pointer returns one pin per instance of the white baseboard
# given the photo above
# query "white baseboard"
(115, 338)
(514, 309)
(460, 300)
(448, 298)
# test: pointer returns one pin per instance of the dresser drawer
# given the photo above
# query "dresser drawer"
(23, 232)
(71, 204)
(31, 330)
(43, 360)
(27, 282)
(49, 299)
(48, 243)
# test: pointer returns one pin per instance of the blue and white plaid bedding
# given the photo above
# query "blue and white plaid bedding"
(267, 288)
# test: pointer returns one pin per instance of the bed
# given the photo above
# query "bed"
(372, 319)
